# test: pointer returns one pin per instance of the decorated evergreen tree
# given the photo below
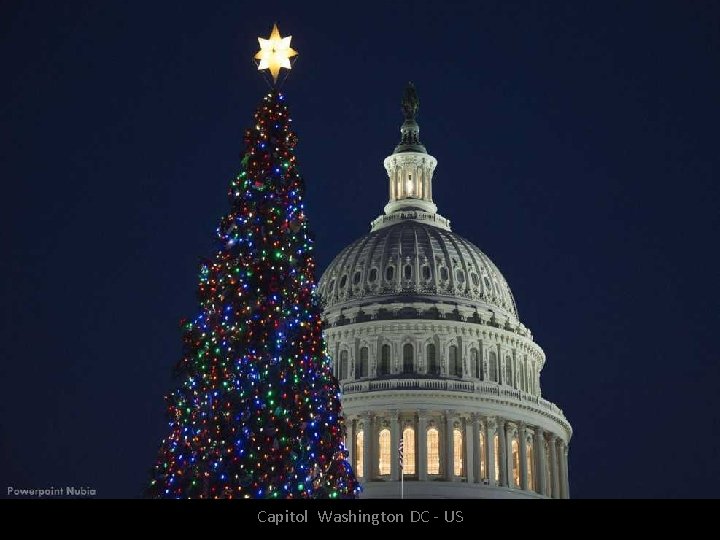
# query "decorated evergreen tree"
(257, 413)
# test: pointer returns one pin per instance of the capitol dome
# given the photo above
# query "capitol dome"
(429, 350)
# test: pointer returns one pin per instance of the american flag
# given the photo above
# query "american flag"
(400, 454)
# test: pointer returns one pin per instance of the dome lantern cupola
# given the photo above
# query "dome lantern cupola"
(410, 168)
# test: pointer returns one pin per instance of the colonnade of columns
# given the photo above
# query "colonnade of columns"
(455, 447)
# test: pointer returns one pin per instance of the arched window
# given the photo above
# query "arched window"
(363, 371)
(408, 450)
(389, 273)
(385, 360)
(508, 371)
(343, 365)
(455, 366)
(483, 457)
(460, 276)
(475, 366)
(444, 273)
(515, 462)
(521, 376)
(407, 270)
(530, 466)
(384, 451)
(359, 456)
(458, 452)
(493, 367)
(408, 358)
(426, 273)
(433, 451)
(356, 278)
(496, 442)
(432, 363)
(373, 275)
(343, 281)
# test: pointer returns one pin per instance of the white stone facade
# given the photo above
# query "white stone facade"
(427, 345)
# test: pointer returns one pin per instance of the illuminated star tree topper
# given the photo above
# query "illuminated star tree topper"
(275, 53)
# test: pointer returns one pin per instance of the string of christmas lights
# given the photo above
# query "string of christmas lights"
(257, 414)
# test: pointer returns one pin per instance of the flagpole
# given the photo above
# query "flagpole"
(401, 465)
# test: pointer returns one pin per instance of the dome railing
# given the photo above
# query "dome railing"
(450, 385)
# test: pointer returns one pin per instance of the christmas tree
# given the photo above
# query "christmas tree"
(257, 414)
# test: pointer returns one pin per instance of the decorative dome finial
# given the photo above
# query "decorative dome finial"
(410, 131)
(410, 102)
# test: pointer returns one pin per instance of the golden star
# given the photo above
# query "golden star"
(275, 53)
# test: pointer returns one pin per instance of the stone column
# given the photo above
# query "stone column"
(368, 459)
(421, 435)
(490, 450)
(523, 457)
(509, 456)
(449, 453)
(554, 480)
(502, 443)
(476, 457)
(469, 438)
(394, 445)
(540, 480)
(564, 483)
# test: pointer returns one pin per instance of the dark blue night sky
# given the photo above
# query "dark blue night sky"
(577, 144)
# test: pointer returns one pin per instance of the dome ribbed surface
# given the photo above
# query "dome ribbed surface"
(418, 259)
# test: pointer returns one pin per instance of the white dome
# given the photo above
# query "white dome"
(415, 260)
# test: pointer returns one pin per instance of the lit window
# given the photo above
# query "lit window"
(409, 451)
(496, 442)
(359, 447)
(457, 452)
(433, 451)
(516, 463)
(483, 457)
(384, 451)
